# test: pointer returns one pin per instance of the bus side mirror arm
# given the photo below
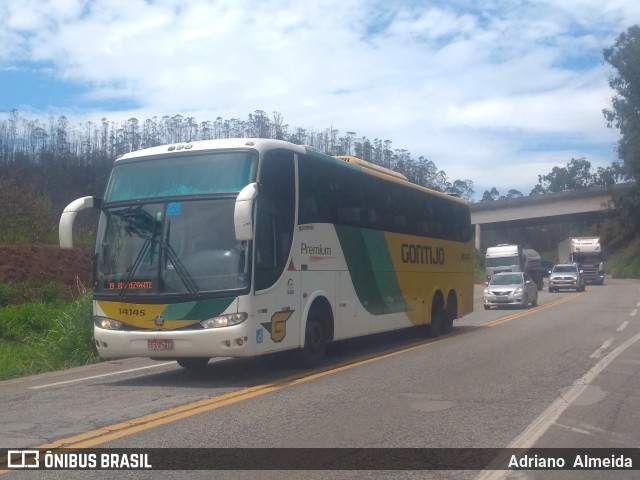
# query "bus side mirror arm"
(243, 212)
(65, 227)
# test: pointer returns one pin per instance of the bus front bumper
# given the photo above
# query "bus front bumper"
(234, 341)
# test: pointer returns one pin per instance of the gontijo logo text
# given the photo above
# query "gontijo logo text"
(422, 254)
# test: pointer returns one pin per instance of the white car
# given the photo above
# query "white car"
(566, 275)
(510, 288)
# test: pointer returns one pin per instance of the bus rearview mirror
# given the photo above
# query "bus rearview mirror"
(243, 212)
(65, 226)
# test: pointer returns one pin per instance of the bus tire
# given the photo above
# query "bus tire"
(315, 343)
(434, 329)
(193, 363)
(450, 313)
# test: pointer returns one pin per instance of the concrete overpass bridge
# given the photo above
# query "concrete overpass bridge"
(548, 208)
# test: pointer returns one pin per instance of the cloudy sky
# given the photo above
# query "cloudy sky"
(495, 91)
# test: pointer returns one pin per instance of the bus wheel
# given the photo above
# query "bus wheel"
(193, 363)
(450, 313)
(434, 329)
(315, 343)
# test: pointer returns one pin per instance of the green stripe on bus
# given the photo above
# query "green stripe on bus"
(198, 310)
(384, 271)
(369, 262)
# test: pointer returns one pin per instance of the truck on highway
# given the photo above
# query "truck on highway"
(586, 252)
(514, 258)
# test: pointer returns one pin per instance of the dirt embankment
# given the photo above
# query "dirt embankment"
(39, 265)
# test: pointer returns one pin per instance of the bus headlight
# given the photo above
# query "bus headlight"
(107, 323)
(224, 320)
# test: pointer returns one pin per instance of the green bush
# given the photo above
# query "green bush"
(38, 336)
(14, 294)
(9, 294)
(627, 266)
(625, 262)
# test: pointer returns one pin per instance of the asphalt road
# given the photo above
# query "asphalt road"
(562, 375)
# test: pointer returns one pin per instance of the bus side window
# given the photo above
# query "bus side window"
(372, 218)
(309, 210)
(351, 199)
(318, 190)
(349, 216)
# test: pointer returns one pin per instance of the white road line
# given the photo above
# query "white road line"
(574, 429)
(633, 312)
(75, 380)
(537, 428)
(622, 326)
(638, 304)
(598, 353)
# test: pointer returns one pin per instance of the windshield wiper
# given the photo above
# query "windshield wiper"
(178, 266)
(181, 270)
(134, 267)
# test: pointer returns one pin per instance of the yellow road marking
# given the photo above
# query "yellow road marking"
(508, 318)
(146, 422)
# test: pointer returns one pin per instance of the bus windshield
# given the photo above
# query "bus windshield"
(172, 247)
(184, 174)
(167, 225)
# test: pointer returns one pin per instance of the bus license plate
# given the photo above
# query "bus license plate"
(160, 344)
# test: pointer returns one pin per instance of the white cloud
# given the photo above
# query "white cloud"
(465, 84)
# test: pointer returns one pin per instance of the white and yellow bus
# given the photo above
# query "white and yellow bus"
(241, 247)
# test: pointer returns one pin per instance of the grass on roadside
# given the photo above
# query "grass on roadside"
(41, 336)
(625, 263)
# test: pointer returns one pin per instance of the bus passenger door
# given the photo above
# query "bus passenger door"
(277, 305)
(278, 315)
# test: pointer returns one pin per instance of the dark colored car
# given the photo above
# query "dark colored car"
(547, 265)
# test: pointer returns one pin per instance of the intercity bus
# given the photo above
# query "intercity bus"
(242, 247)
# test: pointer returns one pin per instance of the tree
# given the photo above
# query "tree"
(537, 190)
(624, 57)
(280, 130)
(259, 125)
(614, 173)
(490, 195)
(131, 135)
(464, 188)
(513, 193)
(66, 162)
(26, 212)
(577, 174)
